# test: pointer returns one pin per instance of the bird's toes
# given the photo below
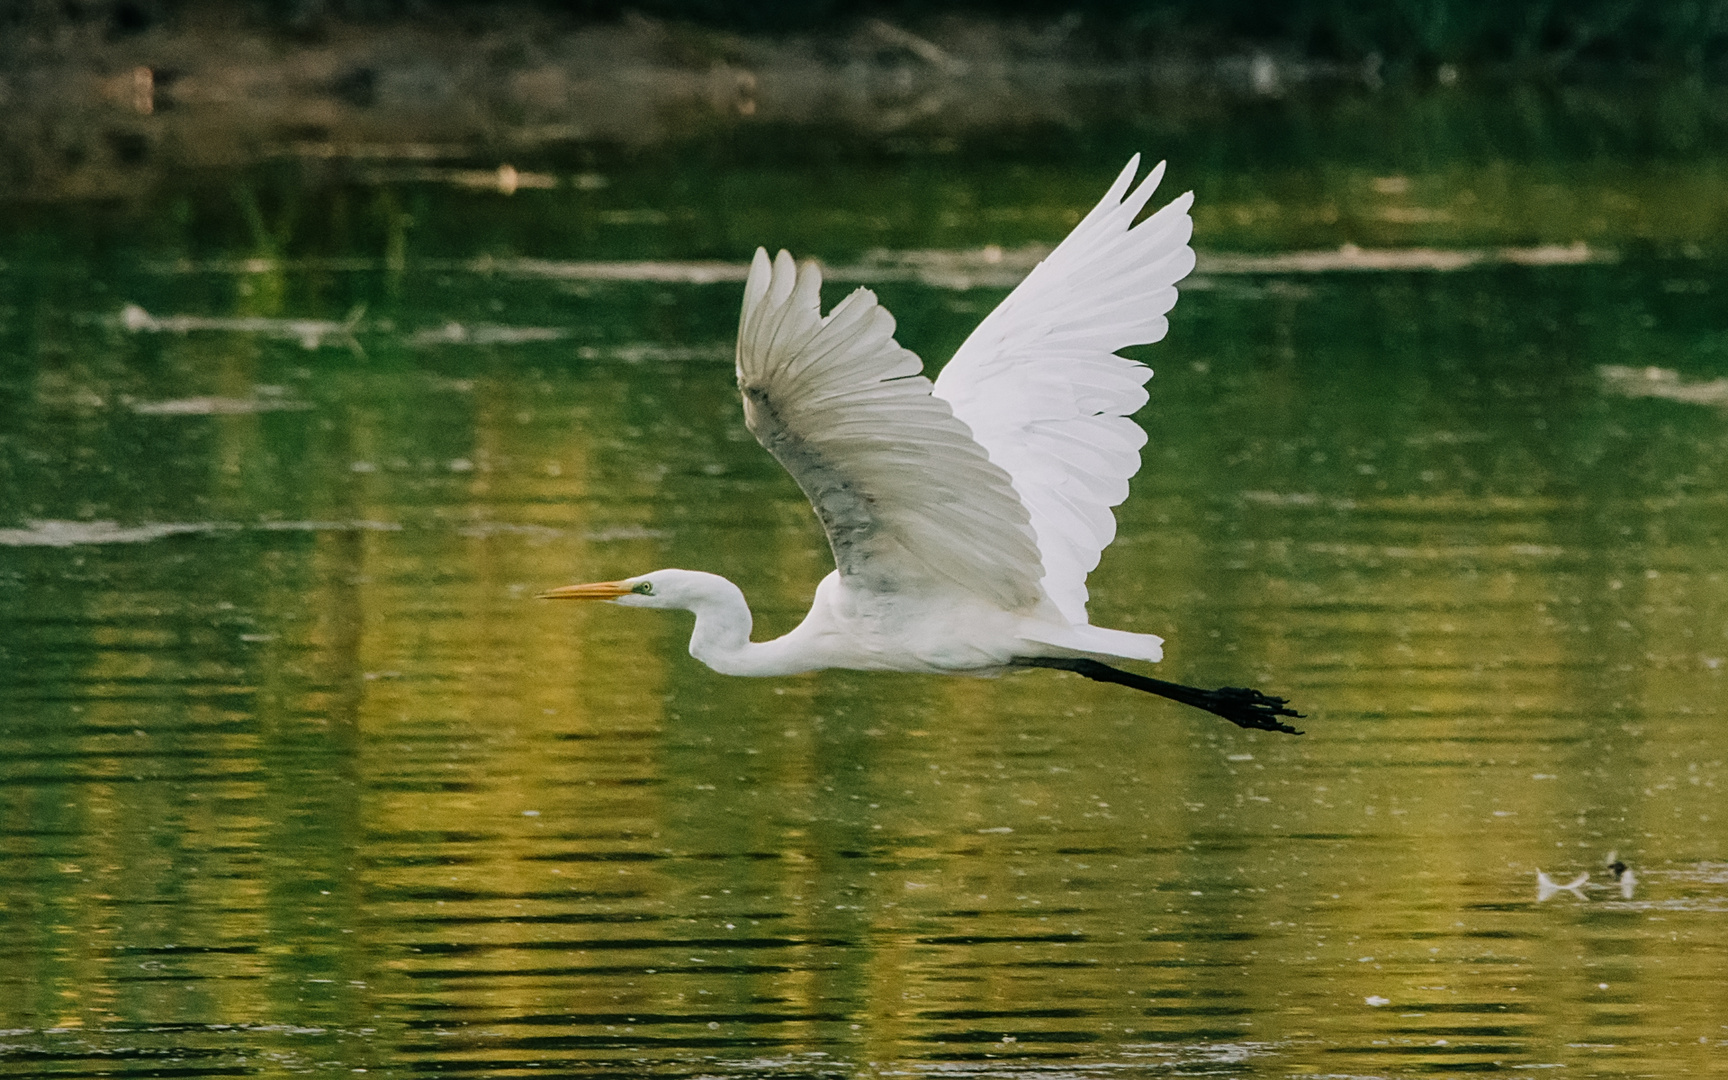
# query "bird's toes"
(1249, 708)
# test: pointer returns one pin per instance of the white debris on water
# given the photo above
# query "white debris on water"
(310, 333)
(1656, 382)
(328, 526)
(506, 179)
(1349, 257)
(482, 530)
(263, 399)
(72, 533)
(660, 270)
(624, 532)
(455, 333)
(643, 352)
(989, 267)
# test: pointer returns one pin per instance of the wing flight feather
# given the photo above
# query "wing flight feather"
(1041, 387)
(908, 498)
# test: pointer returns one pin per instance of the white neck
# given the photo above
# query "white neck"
(722, 635)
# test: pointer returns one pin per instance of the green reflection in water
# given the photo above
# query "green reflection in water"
(295, 776)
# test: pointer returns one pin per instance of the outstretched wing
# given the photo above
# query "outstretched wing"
(1042, 390)
(907, 497)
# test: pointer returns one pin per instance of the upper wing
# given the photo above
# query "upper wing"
(1040, 385)
(908, 499)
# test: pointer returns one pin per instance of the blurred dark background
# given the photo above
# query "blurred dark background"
(1405, 38)
(1283, 116)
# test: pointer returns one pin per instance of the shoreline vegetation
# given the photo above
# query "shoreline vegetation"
(110, 101)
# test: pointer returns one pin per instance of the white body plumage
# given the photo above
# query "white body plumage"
(944, 633)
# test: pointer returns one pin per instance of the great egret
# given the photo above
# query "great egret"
(964, 514)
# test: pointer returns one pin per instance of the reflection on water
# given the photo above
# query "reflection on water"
(296, 776)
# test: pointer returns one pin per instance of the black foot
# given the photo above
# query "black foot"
(1247, 708)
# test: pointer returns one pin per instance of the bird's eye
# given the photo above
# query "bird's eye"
(646, 588)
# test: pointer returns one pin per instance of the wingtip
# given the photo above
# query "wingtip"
(783, 278)
(808, 283)
(1134, 201)
(1124, 180)
(1132, 169)
(761, 275)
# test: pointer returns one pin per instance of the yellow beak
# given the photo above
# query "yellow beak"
(599, 590)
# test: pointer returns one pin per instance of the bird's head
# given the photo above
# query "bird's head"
(661, 589)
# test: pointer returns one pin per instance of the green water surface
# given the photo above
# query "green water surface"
(296, 776)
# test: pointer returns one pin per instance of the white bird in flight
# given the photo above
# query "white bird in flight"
(964, 514)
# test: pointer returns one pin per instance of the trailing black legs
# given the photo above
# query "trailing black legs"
(1239, 705)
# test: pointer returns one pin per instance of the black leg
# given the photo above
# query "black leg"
(1239, 705)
